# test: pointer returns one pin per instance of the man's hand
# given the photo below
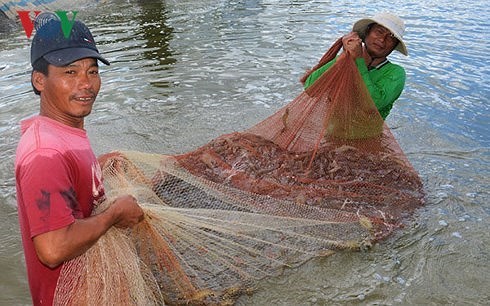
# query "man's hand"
(352, 44)
(127, 212)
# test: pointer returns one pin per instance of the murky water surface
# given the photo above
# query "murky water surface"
(184, 72)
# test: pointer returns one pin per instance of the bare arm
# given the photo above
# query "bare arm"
(55, 247)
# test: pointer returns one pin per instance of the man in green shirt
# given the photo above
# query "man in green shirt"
(381, 35)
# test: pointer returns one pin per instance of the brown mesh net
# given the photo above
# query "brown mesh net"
(322, 174)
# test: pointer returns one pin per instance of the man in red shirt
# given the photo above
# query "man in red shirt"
(58, 177)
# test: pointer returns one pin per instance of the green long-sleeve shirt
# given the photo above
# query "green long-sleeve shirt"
(385, 83)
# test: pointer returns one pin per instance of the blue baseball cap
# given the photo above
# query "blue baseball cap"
(58, 50)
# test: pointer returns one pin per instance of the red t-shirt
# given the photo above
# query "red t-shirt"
(58, 180)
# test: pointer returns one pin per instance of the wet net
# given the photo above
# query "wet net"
(322, 174)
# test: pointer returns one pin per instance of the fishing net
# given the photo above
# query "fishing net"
(322, 174)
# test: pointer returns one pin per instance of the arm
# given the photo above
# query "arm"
(57, 246)
(384, 86)
(51, 185)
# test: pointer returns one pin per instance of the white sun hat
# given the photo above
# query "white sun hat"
(387, 20)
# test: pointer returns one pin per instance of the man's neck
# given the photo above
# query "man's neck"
(375, 62)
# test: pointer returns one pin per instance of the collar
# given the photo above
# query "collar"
(379, 65)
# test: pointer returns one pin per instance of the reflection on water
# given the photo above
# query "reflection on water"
(184, 72)
(158, 36)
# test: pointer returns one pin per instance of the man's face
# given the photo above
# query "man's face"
(380, 41)
(68, 93)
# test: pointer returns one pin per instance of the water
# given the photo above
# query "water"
(184, 72)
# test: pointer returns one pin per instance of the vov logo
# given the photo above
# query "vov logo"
(66, 23)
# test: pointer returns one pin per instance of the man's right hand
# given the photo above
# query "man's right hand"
(127, 212)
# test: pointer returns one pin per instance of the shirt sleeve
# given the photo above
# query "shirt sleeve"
(386, 88)
(47, 191)
(317, 73)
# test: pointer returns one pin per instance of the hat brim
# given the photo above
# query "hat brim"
(67, 56)
(361, 26)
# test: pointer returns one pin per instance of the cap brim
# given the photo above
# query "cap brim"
(67, 56)
(401, 47)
